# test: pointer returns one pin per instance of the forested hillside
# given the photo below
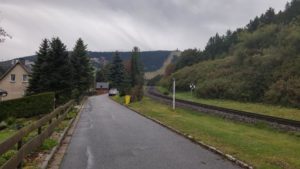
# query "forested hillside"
(152, 60)
(257, 63)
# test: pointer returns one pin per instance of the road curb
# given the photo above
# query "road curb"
(192, 139)
(54, 149)
(73, 122)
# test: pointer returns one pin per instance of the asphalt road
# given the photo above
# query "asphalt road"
(110, 136)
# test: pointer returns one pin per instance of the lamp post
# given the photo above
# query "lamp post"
(192, 87)
(174, 90)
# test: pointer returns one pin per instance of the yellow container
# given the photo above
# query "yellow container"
(127, 99)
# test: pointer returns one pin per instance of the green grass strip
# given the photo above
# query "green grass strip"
(258, 145)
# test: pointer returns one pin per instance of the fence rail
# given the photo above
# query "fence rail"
(52, 119)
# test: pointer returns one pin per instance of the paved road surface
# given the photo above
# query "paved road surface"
(110, 136)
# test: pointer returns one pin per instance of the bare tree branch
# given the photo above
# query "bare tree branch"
(3, 35)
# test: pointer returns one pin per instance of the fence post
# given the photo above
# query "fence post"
(39, 130)
(19, 146)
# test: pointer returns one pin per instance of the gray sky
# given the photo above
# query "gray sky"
(107, 25)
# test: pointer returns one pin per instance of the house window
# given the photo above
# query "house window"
(12, 77)
(25, 78)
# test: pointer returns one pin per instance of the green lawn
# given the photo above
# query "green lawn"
(258, 145)
(271, 110)
(6, 133)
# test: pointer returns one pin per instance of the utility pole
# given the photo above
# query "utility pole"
(174, 90)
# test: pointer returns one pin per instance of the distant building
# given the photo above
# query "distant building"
(15, 81)
(95, 60)
(102, 87)
(29, 63)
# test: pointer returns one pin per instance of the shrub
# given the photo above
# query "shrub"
(10, 120)
(62, 97)
(27, 106)
(284, 92)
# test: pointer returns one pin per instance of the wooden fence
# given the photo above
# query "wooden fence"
(49, 122)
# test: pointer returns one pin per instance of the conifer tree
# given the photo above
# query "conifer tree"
(136, 68)
(36, 82)
(117, 74)
(57, 70)
(137, 75)
(81, 68)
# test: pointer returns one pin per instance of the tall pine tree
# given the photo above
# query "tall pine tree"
(137, 76)
(36, 82)
(117, 73)
(81, 68)
(57, 74)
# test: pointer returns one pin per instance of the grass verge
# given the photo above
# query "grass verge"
(271, 110)
(258, 145)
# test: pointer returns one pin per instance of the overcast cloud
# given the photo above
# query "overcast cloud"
(107, 25)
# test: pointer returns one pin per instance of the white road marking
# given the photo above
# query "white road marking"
(90, 158)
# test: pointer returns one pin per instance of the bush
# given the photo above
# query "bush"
(284, 92)
(28, 106)
(10, 120)
(62, 97)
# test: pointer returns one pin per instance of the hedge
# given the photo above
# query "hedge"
(28, 106)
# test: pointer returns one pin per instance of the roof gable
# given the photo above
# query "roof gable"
(11, 68)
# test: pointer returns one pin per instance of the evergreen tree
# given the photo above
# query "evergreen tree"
(57, 70)
(81, 68)
(100, 77)
(137, 76)
(117, 73)
(36, 82)
(268, 17)
(253, 25)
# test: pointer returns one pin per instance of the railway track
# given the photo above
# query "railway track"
(228, 113)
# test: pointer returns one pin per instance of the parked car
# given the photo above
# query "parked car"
(113, 92)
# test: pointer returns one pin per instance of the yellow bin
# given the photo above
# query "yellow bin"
(127, 99)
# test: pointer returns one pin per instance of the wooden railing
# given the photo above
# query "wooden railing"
(50, 121)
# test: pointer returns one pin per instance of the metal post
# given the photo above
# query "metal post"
(174, 90)
(192, 87)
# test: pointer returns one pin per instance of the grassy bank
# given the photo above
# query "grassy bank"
(271, 110)
(258, 145)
